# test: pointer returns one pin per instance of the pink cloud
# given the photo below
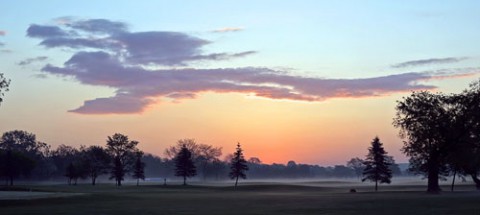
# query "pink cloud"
(227, 29)
(138, 87)
(139, 66)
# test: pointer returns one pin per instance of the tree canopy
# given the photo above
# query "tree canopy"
(4, 83)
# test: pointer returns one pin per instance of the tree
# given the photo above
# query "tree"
(4, 83)
(21, 151)
(376, 164)
(184, 166)
(139, 167)
(464, 151)
(190, 144)
(357, 165)
(74, 171)
(62, 157)
(122, 151)
(14, 164)
(207, 155)
(97, 162)
(238, 165)
(203, 155)
(424, 120)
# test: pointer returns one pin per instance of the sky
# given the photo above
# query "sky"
(310, 81)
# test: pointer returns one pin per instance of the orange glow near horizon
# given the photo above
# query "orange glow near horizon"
(324, 133)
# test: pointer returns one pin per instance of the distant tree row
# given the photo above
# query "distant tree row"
(21, 155)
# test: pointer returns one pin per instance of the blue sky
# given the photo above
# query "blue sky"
(314, 52)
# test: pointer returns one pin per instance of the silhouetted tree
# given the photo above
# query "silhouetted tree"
(467, 153)
(203, 155)
(184, 166)
(191, 144)
(357, 165)
(254, 160)
(61, 157)
(207, 155)
(424, 121)
(376, 164)
(13, 164)
(122, 152)
(22, 150)
(139, 168)
(238, 165)
(393, 166)
(4, 83)
(74, 171)
(96, 162)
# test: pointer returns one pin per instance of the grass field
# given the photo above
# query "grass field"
(327, 197)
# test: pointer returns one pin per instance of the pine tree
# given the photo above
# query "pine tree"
(184, 166)
(139, 167)
(377, 167)
(238, 165)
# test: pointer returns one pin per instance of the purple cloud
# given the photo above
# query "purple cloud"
(44, 31)
(227, 29)
(146, 48)
(138, 66)
(102, 26)
(430, 61)
(32, 60)
(138, 88)
(3, 33)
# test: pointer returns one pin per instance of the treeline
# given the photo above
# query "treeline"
(23, 157)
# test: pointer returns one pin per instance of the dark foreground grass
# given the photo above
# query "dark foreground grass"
(251, 199)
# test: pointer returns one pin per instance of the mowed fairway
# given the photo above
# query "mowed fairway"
(260, 198)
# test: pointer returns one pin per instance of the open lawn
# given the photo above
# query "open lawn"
(251, 198)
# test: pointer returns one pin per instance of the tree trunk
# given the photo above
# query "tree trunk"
(119, 182)
(433, 186)
(11, 180)
(453, 180)
(184, 180)
(204, 170)
(476, 180)
(433, 172)
(376, 185)
(138, 181)
(236, 182)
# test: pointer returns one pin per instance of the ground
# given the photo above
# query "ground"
(313, 197)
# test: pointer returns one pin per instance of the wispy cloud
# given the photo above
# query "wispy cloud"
(430, 61)
(108, 54)
(2, 44)
(227, 29)
(3, 33)
(6, 51)
(32, 60)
